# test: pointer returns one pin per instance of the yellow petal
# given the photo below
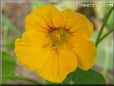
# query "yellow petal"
(31, 48)
(58, 66)
(34, 22)
(46, 17)
(67, 62)
(57, 19)
(76, 22)
(68, 18)
(85, 52)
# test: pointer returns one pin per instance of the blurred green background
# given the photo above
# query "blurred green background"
(13, 25)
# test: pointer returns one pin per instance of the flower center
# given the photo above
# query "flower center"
(59, 37)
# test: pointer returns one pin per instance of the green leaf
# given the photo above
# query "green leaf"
(7, 23)
(8, 65)
(83, 77)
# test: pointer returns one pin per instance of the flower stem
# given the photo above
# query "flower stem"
(102, 27)
(105, 36)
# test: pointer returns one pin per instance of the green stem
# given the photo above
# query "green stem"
(102, 27)
(22, 78)
(105, 36)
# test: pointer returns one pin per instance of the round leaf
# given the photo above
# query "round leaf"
(79, 77)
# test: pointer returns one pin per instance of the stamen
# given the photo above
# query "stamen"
(58, 37)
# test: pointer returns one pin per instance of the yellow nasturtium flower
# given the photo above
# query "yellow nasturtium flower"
(56, 43)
